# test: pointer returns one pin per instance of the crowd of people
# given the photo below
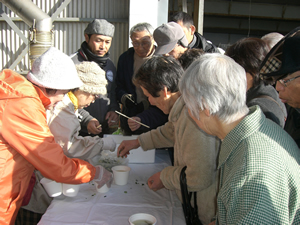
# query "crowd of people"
(230, 119)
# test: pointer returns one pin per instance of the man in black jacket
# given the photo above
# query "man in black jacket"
(195, 39)
(134, 102)
(98, 38)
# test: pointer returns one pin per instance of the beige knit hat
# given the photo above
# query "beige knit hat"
(93, 78)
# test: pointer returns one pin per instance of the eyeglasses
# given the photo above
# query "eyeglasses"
(143, 44)
(284, 82)
(97, 96)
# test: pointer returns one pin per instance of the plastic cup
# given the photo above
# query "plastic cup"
(142, 219)
(70, 190)
(103, 189)
(121, 174)
(53, 188)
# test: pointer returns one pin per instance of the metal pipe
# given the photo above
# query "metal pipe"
(40, 41)
(41, 33)
(29, 12)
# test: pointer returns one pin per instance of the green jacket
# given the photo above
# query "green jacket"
(259, 174)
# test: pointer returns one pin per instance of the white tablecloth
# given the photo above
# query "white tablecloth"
(120, 202)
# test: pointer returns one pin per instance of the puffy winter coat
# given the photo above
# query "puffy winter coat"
(26, 143)
(64, 124)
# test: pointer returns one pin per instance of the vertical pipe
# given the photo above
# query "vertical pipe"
(40, 41)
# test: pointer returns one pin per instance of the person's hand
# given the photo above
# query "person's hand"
(154, 182)
(128, 101)
(112, 118)
(134, 125)
(93, 126)
(126, 146)
(102, 176)
(109, 144)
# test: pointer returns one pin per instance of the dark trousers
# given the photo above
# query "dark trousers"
(26, 217)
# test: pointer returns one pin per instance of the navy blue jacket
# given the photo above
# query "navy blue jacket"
(152, 116)
(102, 105)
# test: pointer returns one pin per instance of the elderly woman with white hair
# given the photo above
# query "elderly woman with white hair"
(258, 160)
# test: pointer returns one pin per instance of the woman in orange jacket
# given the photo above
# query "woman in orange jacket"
(26, 142)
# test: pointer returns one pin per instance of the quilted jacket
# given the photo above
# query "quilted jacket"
(26, 143)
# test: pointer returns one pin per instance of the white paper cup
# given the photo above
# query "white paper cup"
(103, 189)
(70, 190)
(142, 218)
(53, 188)
(121, 174)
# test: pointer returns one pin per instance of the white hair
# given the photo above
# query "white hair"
(217, 83)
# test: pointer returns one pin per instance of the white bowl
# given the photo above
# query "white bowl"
(52, 188)
(103, 189)
(142, 219)
(70, 190)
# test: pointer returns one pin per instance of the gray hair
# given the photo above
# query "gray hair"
(142, 27)
(217, 83)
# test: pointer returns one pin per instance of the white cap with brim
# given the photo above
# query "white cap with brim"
(54, 70)
(167, 36)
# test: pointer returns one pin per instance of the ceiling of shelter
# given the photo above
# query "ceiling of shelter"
(280, 2)
(257, 17)
(225, 21)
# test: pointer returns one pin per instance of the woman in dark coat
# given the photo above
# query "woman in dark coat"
(249, 53)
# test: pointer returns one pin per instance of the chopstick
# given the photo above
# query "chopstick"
(130, 99)
(132, 119)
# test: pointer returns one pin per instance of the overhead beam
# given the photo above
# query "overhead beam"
(255, 10)
(228, 24)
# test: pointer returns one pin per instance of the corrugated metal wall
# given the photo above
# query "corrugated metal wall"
(68, 27)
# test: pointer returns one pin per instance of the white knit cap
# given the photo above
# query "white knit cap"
(55, 70)
(93, 78)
